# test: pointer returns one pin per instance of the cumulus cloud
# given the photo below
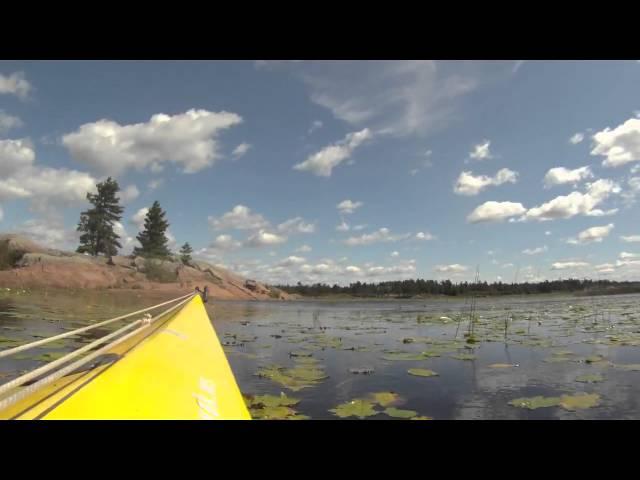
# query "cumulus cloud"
(535, 251)
(138, 218)
(395, 254)
(8, 122)
(129, 193)
(620, 145)
(576, 203)
(15, 155)
(495, 211)
(561, 175)
(291, 260)
(49, 232)
(576, 138)
(481, 151)
(628, 255)
(239, 218)
(348, 206)
(303, 249)
(424, 236)
(453, 269)
(468, 184)
(262, 238)
(343, 227)
(323, 162)
(379, 236)
(240, 150)
(568, 265)
(591, 235)
(155, 183)
(630, 238)
(15, 84)
(225, 242)
(296, 225)
(187, 139)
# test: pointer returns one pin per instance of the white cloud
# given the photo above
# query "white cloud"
(187, 139)
(495, 211)
(303, 249)
(395, 97)
(379, 236)
(620, 145)
(1, 214)
(138, 218)
(15, 155)
(296, 225)
(262, 238)
(225, 242)
(343, 227)
(323, 162)
(630, 238)
(507, 265)
(577, 138)
(240, 218)
(561, 175)
(129, 193)
(547, 233)
(628, 255)
(535, 251)
(395, 254)
(240, 150)
(424, 236)
(454, 268)
(317, 124)
(468, 184)
(576, 203)
(591, 235)
(49, 232)
(291, 260)
(8, 122)
(481, 151)
(15, 84)
(357, 228)
(155, 183)
(127, 241)
(568, 265)
(347, 206)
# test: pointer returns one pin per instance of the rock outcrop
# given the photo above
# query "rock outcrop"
(25, 264)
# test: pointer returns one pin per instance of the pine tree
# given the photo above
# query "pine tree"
(185, 253)
(153, 238)
(96, 224)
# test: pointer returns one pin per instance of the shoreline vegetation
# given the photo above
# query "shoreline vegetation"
(431, 289)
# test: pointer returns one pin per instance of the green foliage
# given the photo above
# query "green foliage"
(153, 238)
(157, 272)
(185, 253)
(96, 224)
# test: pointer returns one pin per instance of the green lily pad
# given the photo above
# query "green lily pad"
(533, 403)
(629, 367)
(590, 378)
(594, 359)
(300, 353)
(421, 418)
(385, 399)
(403, 356)
(272, 413)
(398, 413)
(502, 365)
(422, 372)
(355, 408)
(274, 400)
(579, 401)
(464, 356)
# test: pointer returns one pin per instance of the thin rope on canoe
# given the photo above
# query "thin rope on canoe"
(44, 341)
(29, 390)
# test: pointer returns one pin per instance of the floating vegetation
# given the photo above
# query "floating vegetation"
(362, 371)
(464, 356)
(404, 356)
(295, 379)
(503, 365)
(300, 353)
(421, 418)
(355, 408)
(568, 402)
(594, 359)
(629, 367)
(385, 399)
(595, 378)
(422, 372)
(397, 413)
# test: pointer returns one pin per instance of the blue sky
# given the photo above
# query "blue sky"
(339, 171)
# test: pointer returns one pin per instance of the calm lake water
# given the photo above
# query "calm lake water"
(582, 351)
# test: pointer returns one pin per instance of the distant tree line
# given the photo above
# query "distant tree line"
(417, 287)
(97, 227)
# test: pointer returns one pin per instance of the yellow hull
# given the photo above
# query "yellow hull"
(175, 369)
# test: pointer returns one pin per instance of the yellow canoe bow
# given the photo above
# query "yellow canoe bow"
(174, 369)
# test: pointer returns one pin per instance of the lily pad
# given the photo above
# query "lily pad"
(594, 359)
(503, 365)
(355, 408)
(533, 403)
(464, 356)
(272, 413)
(422, 372)
(421, 418)
(590, 378)
(629, 367)
(403, 356)
(273, 401)
(385, 399)
(398, 413)
(580, 401)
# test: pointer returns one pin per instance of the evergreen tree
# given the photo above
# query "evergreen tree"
(96, 224)
(153, 238)
(185, 253)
